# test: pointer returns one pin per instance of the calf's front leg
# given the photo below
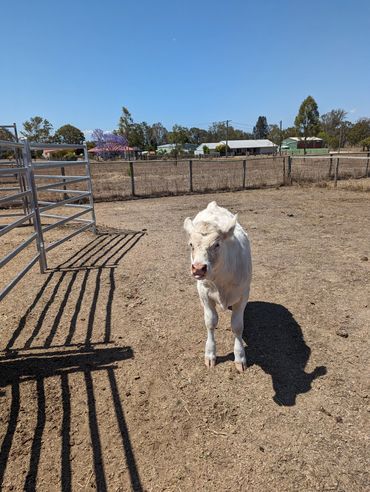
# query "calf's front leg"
(210, 320)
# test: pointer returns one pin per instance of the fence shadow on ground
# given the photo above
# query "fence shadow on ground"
(25, 360)
(275, 343)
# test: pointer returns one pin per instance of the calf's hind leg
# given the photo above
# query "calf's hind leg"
(237, 325)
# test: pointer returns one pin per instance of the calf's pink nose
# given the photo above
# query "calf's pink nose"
(198, 269)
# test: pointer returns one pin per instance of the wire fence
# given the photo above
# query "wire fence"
(119, 180)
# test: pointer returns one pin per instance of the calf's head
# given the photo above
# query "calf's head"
(208, 243)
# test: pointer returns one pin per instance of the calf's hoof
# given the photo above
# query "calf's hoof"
(240, 366)
(210, 363)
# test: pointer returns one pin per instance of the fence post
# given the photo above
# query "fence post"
(290, 169)
(330, 166)
(91, 198)
(284, 176)
(244, 172)
(336, 173)
(63, 172)
(132, 176)
(27, 159)
(190, 175)
(367, 165)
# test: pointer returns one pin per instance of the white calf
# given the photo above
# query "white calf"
(221, 262)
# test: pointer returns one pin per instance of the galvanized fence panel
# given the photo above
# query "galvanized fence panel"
(17, 209)
(70, 195)
(44, 186)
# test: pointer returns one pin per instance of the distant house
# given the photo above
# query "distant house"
(241, 147)
(167, 148)
(297, 143)
(252, 147)
(210, 145)
(111, 151)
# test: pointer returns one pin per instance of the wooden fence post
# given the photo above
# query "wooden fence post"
(190, 176)
(330, 166)
(284, 176)
(290, 169)
(244, 172)
(132, 176)
(367, 165)
(336, 173)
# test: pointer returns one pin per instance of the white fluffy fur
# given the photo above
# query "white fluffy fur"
(227, 282)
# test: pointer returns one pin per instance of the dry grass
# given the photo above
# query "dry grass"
(349, 184)
(112, 180)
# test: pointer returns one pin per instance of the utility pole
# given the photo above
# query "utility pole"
(227, 136)
(281, 135)
(340, 137)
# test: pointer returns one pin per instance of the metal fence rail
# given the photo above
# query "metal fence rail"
(23, 183)
(18, 173)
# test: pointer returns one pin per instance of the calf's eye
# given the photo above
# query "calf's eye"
(191, 245)
(217, 245)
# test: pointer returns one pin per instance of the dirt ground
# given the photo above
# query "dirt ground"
(103, 384)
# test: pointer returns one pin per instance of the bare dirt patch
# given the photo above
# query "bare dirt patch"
(103, 384)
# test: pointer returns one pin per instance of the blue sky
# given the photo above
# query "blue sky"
(190, 62)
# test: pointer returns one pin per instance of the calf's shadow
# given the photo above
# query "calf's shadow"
(275, 343)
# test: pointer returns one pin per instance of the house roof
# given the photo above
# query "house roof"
(248, 144)
(173, 146)
(210, 145)
(298, 139)
(111, 148)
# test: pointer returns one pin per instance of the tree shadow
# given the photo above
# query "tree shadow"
(36, 362)
(275, 343)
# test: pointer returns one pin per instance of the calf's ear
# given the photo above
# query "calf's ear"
(228, 230)
(188, 225)
(212, 205)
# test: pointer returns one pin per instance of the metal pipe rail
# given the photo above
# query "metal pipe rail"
(34, 209)
(50, 164)
(25, 191)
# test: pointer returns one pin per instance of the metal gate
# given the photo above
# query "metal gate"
(32, 187)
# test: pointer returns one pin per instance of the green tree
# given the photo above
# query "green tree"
(206, 150)
(179, 135)
(366, 144)
(69, 134)
(125, 123)
(158, 135)
(359, 131)
(221, 148)
(197, 135)
(291, 131)
(219, 130)
(261, 129)
(334, 128)
(274, 134)
(307, 121)
(5, 134)
(137, 135)
(37, 129)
